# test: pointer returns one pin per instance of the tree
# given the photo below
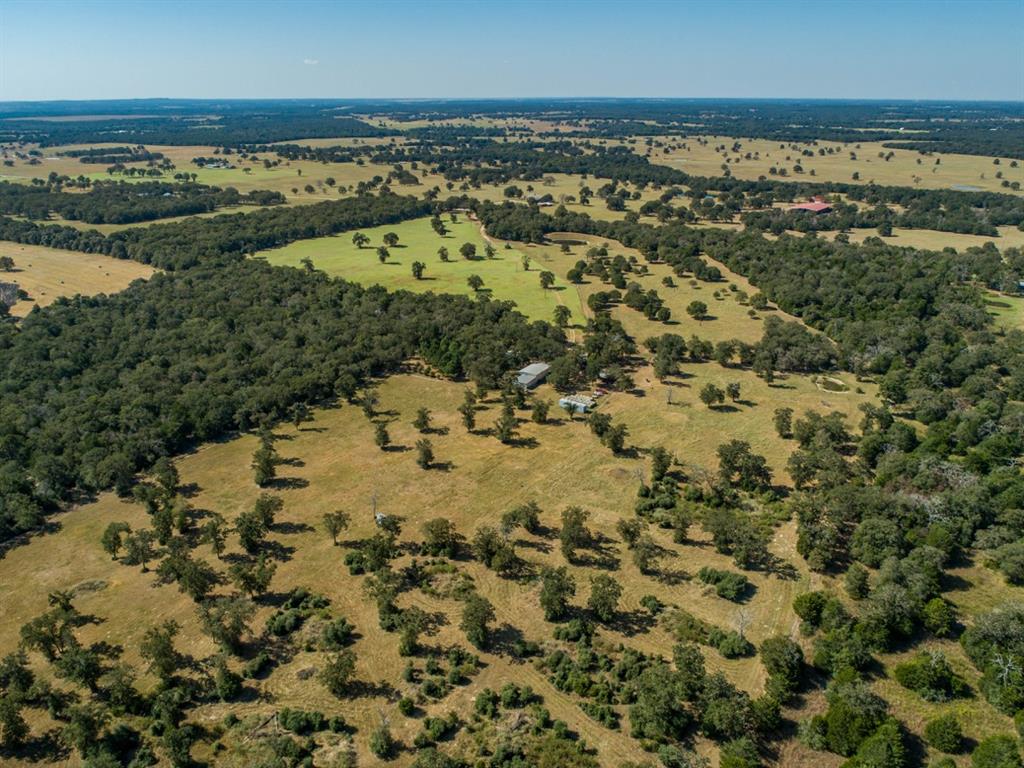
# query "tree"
(157, 649)
(438, 226)
(615, 438)
(381, 436)
(468, 251)
(698, 310)
(739, 465)
(13, 728)
(557, 586)
(337, 672)
(574, 533)
(477, 613)
(6, 264)
(645, 553)
(711, 395)
(264, 464)
(138, 548)
(390, 239)
(661, 463)
(468, 411)
(783, 659)
(783, 420)
(539, 412)
(732, 389)
(112, 538)
(253, 578)
(489, 251)
(604, 597)
(422, 420)
(562, 315)
(505, 426)
(359, 240)
(440, 538)
(382, 253)
(547, 279)
(525, 515)
(226, 620)
(475, 282)
(336, 522)
(417, 269)
(424, 453)
(442, 253)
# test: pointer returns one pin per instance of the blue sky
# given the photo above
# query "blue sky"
(913, 49)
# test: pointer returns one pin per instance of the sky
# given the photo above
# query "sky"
(899, 49)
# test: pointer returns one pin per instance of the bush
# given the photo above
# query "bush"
(301, 722)
(930, 677)
(728, 584)
(731, 645)
(996, 752)
(381, 743)
(406, 706)
(944, 734)
(337, 634)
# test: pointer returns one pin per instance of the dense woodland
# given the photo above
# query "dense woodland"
(96, 389)
(184, 244)
(120, 202)
(991, 129)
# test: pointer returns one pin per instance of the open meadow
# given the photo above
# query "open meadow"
(503, 275)
(710, 155)
(47, 273)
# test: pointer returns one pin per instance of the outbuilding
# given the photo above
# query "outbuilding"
(577, 403)
(532, 375)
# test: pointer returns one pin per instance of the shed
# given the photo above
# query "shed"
(532, 375)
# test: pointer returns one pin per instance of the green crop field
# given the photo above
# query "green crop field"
(504, 276)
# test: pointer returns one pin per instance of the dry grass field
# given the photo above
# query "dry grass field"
(701, 158)
(332, 463)
(47, 273)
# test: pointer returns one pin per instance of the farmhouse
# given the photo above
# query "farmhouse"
(532, 375)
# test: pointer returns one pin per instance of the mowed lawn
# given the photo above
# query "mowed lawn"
(1007, 311)
(504, 277)
(48, 273)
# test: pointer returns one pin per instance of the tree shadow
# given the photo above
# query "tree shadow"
(290, 527)
(365, 689)
(441, 466)
(632, 623)
(288, 483)
(292, 462)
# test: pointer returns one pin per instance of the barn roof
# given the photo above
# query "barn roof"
(812, 207)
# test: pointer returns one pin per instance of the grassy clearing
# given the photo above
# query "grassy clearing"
(333, 464)
(1008, 311)
(900, 170)
(503, 275)
(47, 273)
(930, 239)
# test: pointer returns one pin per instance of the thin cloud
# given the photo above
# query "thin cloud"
(311, 62)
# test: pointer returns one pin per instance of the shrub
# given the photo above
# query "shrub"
(728, 584)
(930, 677)
(996, 752)
(944, 734)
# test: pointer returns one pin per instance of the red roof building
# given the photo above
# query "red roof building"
(812, 207)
